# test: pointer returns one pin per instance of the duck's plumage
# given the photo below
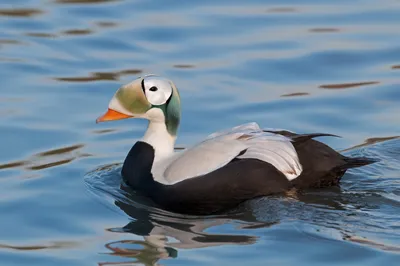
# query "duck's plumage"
(239, 179)
(246, 141)
(225, 169)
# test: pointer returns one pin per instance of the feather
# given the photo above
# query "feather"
(217, 150)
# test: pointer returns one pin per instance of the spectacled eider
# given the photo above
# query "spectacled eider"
(225, 169)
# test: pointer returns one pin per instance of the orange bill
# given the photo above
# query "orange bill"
(111, 115)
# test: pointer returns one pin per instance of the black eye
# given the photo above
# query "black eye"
(153, 89)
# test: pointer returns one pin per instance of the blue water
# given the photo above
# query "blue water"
(306, 66)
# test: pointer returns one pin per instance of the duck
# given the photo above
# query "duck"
(227, 168)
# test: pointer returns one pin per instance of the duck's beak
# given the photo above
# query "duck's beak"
(112, 115)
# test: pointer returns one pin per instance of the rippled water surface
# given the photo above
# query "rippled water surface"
(306, 66)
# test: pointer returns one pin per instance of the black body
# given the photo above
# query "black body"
(239, 180)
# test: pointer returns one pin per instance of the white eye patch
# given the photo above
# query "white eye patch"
(157, 89)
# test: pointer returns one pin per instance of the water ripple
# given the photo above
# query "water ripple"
(83, 1)
(21, 12)
(348, 85)
(308, 66)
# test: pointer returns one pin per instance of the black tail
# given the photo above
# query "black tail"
(357, 162)
(304, 137)
(299, 138)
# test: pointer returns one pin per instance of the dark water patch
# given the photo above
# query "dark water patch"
(323, 30)
(10, 42)
(295, 94)
(78, 32)
(106, 24)
(21, 12)
(348, 85)
(49, 165)
(104, 131)
(61, 150)
(56, 157)
(84, 1)
(130, 72)
(41, 35)
(183, 66)
(98, 76)
(13, 164)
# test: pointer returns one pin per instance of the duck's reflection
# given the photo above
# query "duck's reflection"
(187, 232)
(138, 252)
(164, 233)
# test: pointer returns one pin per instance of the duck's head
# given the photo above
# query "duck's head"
(151, 97)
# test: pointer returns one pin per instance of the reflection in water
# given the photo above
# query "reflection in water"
(9, 41)
(77, 32)
(183, 66)
(323, 30)
(61, 150)
(41, 35)
(295, 94)
(348, 85)
(41, 160)
(20, 12)
(54, 245)
(163, 232)
(96, 76)
(187, 230)
(372, 244)
(71, 32)
(13, 164)
(142, 252)
(83, 1)
(106, 24)
(371, 141)
(48, 165)
(104, 131)
(157, 229)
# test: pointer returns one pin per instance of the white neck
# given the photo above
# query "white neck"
(157, 136)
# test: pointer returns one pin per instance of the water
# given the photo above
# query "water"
(314, 66)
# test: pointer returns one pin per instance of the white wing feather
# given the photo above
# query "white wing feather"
(221, 147)
(245, 128)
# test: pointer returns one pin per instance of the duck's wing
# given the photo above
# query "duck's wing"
(245, 141)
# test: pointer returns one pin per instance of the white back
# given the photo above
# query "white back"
(222, 147)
